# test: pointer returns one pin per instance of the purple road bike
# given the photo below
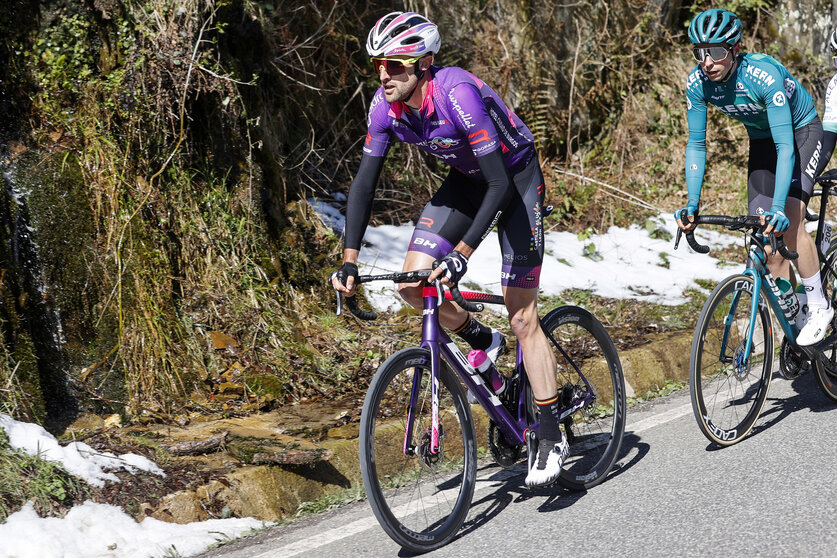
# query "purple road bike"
(418, 447)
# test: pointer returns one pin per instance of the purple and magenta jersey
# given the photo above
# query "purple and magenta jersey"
(461, 118)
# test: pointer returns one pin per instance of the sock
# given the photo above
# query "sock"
(549, 409)
(474, 333)
(813, 288)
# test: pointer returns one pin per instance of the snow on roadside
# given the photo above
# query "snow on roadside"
(77, 458)
(636, 262)
(93, 530)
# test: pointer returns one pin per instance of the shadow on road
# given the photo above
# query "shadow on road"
(808, 396)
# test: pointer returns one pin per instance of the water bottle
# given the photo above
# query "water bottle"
(479, 360)
(789, 298)
(802, 297)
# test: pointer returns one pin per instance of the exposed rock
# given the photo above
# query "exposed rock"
(180, 507)
(198, 447)
(292, 457)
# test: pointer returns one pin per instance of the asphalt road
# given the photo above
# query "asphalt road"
(772, 494)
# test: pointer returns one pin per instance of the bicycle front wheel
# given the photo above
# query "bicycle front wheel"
(728, 387)
(587, 365)
(420, 498)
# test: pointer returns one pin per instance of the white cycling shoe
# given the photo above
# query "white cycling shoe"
(816, 324)
(545, 465)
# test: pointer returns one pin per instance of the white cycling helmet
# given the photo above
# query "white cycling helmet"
(832, 42)
(403, 33)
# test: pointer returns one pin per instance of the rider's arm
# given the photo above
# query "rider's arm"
(696, 145)
(473, 120)
(359, 203)
(781, 128)
(829, 124)
(362, 191)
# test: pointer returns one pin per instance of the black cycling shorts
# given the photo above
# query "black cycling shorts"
(761, 169)
(451, 210)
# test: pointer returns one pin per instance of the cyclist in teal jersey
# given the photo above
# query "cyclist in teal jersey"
(785, 145)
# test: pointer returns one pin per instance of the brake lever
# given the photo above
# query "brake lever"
(339, 295)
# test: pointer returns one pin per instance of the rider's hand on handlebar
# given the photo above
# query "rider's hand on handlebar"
(452, 267)
(686, 216)
(344, 279)
(775, 221)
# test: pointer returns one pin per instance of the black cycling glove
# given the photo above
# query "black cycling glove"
(347, 270)
(454, 266)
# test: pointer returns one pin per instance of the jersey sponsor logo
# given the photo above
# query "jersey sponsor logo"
(444, 142)
(426, 221)
(444, 156)
(717, 97)
(465, 117)
(811, 167)
(695, 77)
(478, 137)
(438, 122)
(501, 126)
(760, 75)
(688, 104)
(790, 87)
(743, 109)
(739, 85)
(425, 242)
(779, 99)
(376, 100)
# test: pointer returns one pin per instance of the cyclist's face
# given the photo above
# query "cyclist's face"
(399, 80)
(716, 70)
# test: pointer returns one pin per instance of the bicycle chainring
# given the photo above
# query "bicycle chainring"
(792, 364)
(504, 454)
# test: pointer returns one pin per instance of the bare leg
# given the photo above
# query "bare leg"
(799, 240)
(537, 355)
(451, 316)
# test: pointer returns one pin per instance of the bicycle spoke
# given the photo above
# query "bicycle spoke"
(728, 386)
(420, 497)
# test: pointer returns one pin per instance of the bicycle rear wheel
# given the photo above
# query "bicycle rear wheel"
(420, 499)
(728, 392)
(582, 346)
(825, 369)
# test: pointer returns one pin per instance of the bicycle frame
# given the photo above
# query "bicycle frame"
(441, 346)
(763, 285)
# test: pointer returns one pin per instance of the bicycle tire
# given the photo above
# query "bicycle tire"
(420, 500)
(595, 431)
(727, 394)
(826, 370)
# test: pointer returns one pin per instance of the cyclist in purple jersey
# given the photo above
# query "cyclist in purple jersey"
(495, 179)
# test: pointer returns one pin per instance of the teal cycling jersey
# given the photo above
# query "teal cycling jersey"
(762, 95)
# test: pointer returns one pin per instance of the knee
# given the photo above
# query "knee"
(523, 324)
(411, 293)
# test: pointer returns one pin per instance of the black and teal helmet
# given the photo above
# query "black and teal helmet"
(714, 27)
